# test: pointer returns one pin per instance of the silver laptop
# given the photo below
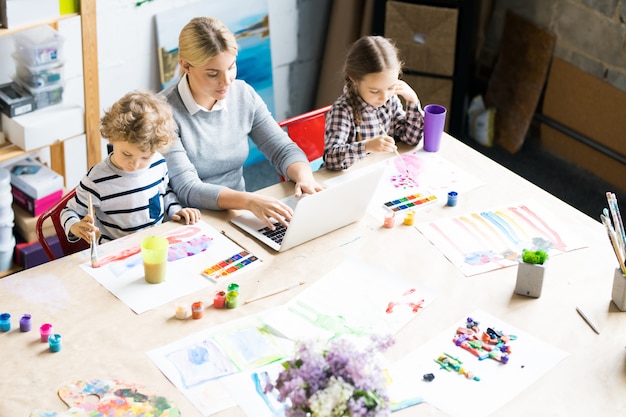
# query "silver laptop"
(317, 214)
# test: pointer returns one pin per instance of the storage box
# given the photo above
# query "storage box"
(31, 254)
(425, 36)
(15, 100)
(26, 224)
(16, 13)
(40, 45)
(46, 96)
(38, 76)
(33, 178)
(432, 90)
(35, 207)
(44, 127)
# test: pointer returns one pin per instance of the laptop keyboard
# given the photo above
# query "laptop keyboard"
(277, 234)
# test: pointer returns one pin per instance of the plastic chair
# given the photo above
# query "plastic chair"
(307, 131)
(54, 213)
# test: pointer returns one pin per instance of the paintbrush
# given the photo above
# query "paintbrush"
(93, 243)
(406, 169)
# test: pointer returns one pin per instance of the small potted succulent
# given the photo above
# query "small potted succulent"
(530, 272)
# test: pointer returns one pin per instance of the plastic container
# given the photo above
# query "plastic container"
(6, 197)
(47, 95)
(6, 255)
(39, 46)
(40, 75)
(6, 229)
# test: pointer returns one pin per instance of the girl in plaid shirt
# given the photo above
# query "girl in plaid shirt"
(368, 116)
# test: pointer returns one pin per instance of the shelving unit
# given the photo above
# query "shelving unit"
(464, 42)
(91, 89)
(91, 95)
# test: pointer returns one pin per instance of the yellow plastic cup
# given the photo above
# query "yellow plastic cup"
(154, 253)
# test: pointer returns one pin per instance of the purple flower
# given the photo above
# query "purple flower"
(330, 381)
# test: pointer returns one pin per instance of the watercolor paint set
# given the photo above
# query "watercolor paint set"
(414, 200)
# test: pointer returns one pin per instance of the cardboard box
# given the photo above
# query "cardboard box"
(35, 207)
(44, 127)
(432, 90)
(25, 225)
(33, 178)
(425, 36)
(17, 13)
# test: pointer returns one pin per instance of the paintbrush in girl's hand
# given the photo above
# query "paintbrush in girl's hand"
(94, 244)
(406, 170)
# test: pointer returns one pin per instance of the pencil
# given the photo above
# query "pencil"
(93, 243)
(588, 320)
(619, 219)
(269, 294)
(614, 242)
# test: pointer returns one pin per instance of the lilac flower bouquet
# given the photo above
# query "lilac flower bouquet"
(340, 380)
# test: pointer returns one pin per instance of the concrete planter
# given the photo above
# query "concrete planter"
(530, 279)
(618, 294)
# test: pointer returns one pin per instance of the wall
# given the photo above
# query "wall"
(128, 59)
(591, 34)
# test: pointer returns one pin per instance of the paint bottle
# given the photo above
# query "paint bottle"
(54, 341)
(452, 197)
(197, 310)
(232, 295)
(5, 322)
(182, 312)
(219, 299)
(390, 220)
(25, 323)
(45, 330)
(409, 218)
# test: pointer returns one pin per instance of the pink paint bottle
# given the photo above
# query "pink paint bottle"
(45, 331)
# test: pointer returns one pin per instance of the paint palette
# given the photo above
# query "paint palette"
(411, 201)
(229, 266)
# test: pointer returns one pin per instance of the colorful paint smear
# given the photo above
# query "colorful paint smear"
(114, 398)
(487, 240)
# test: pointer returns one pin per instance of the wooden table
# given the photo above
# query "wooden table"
(104, 339)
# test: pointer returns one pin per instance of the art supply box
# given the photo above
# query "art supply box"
(35, 180)
(26, 223)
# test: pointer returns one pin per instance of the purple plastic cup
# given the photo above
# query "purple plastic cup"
(434, 121)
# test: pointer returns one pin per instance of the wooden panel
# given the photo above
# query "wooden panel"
(587, 105)
(431, 90)
(90, 74)
(583, 156)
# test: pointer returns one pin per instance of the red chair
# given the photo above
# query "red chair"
(307, 131)
(55, 214)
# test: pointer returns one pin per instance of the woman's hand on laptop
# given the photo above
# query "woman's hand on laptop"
(301, 174)
(267, 208)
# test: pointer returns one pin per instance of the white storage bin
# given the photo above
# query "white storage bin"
(6, 255)
(38, 76)
(39, 46)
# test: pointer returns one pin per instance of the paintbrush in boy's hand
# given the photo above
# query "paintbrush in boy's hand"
(93, 243)
(406, 169)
